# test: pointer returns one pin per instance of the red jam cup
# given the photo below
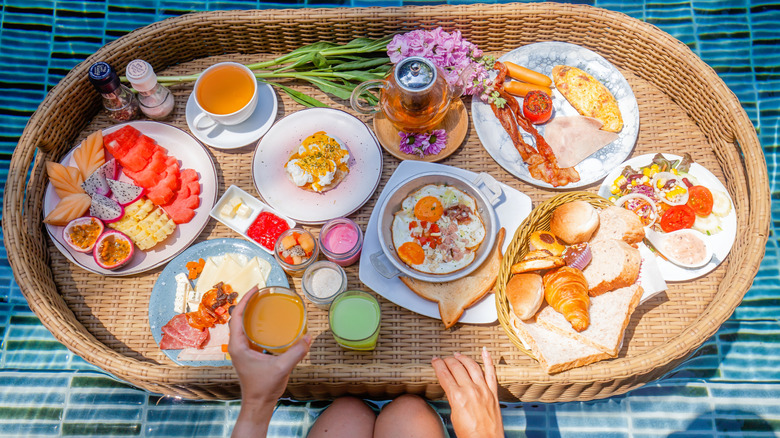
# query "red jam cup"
(341, 240)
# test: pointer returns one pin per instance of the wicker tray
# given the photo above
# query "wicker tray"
(104, 319)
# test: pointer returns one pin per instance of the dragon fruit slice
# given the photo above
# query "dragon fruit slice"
(125, 193)
(105, 209)
(96, 184)
(109, 169)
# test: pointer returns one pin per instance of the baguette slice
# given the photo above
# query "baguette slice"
(610, 314)
(615, 264)
(555, 352)
(619, 223)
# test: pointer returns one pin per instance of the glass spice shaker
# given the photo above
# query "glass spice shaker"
(117, 98)
(156, 100)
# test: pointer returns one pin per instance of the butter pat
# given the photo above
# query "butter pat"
(229, 209)
(243, 211)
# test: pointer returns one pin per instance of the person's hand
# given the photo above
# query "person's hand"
(473, 396)
(263, 377)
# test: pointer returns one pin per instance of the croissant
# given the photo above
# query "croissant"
(566, 290)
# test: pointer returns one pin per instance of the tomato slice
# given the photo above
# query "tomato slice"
(700, 200)
(677, 217)
(537, 107)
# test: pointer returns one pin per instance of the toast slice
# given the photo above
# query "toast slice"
(456, 296)
(615, 264)
(619, 223)
(610, 314)
(555, 352)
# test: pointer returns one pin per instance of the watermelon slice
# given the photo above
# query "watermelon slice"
(160, 195)
(145, 178)
(137, 158)
(158, 161)
(121, 140)
(180, 214)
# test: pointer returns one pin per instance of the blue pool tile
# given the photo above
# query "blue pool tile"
(29, 429)
(186, 415)
(109, 414)
(118, 397)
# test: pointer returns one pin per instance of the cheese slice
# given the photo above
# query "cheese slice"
(207, 278)
(183, 292)
(253, 274)
(227, 271)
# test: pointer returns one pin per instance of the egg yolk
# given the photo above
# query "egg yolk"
(428, 209)
(411, 253)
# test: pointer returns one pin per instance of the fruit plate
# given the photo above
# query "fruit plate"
(191, 154)
(720, 242)
(542, 57)
(161, 302)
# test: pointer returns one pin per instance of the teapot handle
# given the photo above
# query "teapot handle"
(364, 107)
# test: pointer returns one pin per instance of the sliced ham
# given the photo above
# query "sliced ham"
(212, 349)
(171, 343)
(575, 138)
(178, 329)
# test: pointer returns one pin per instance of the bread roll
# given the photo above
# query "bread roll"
(525, 292)
(547, 241)
(621, 224)
(536, 261)
(574, 222)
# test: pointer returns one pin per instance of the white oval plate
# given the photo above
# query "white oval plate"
(542, 57)
(276, 147)
(720, 243)
(191, 155)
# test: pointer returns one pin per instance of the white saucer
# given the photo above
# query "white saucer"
(247, 132)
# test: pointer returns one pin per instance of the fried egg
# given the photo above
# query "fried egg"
(438, 229)
(319, 163)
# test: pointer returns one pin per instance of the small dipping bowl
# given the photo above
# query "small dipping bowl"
(354, 319)
(289, 266)
(341, 240)
(274, 319)
(322, 281)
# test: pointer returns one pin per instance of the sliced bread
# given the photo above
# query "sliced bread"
(609, 317)
(554, 351)
(619, 223)
(614, 264)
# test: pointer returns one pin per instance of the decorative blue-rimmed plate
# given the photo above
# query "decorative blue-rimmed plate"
(542, 57)
(164, 291)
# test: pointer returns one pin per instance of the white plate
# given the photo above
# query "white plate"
(240, 225)
(273, 151)
(512, 208)
(192, 155)
(164, 291)
(720, 243)
(542, 57)
(246, 132)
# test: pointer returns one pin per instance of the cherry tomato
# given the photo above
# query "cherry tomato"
(700, 200)
(537, 107)
(677, 217)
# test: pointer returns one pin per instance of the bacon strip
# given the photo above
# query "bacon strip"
(542, 163)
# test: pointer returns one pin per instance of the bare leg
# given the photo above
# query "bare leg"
(408, 416)
(345, 417)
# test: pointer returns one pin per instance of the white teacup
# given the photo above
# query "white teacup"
(225, 94)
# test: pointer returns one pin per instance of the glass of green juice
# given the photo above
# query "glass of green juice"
(354, 320)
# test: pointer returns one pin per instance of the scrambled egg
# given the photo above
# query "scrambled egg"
(319, 164)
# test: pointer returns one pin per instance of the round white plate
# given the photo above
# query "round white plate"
(542, 57)
(276, 147)
(164, 290)
(192, 155)
(720, 243)
(246, 132)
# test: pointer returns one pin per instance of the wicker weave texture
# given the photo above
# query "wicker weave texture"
(104, 319)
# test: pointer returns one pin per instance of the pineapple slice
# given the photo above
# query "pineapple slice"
(145, 224)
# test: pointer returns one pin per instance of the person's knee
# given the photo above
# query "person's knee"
(352, 405)
(408, 403)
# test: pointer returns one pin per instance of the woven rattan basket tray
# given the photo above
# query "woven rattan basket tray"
(682, 104)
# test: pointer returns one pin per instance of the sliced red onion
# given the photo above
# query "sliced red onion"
(577, 256)
(622, 200)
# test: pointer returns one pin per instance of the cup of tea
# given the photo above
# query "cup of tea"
(274, 319)
(226, 94)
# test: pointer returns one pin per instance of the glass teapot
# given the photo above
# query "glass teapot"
(415, 95)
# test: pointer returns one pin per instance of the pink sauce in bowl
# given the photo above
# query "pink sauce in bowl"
(341, 240)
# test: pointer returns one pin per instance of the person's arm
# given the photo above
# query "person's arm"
(263, 377)
(473, 396)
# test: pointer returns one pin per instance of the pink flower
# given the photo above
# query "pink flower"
(408, 143)
(436, 142)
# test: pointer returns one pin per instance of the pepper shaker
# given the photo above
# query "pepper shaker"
(117, 98)
(156, 100)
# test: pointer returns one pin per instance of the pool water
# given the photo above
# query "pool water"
(729, 387)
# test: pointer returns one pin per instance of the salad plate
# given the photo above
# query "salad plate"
(542, 57)
(719, 242)
(161, 302)
(192, 155)
(284, 138)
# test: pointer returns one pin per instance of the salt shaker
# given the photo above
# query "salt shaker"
(117, 98)
(156, 100)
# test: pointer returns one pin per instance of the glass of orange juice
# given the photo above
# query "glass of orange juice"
(274, 319)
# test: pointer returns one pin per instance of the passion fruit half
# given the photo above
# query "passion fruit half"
(113, 249)
(82, 233)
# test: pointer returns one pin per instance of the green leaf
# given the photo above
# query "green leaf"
(340, 91)
(361, 64)
(319, 61)
(303, 99)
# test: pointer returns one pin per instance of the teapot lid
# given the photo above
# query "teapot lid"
(415, 73)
